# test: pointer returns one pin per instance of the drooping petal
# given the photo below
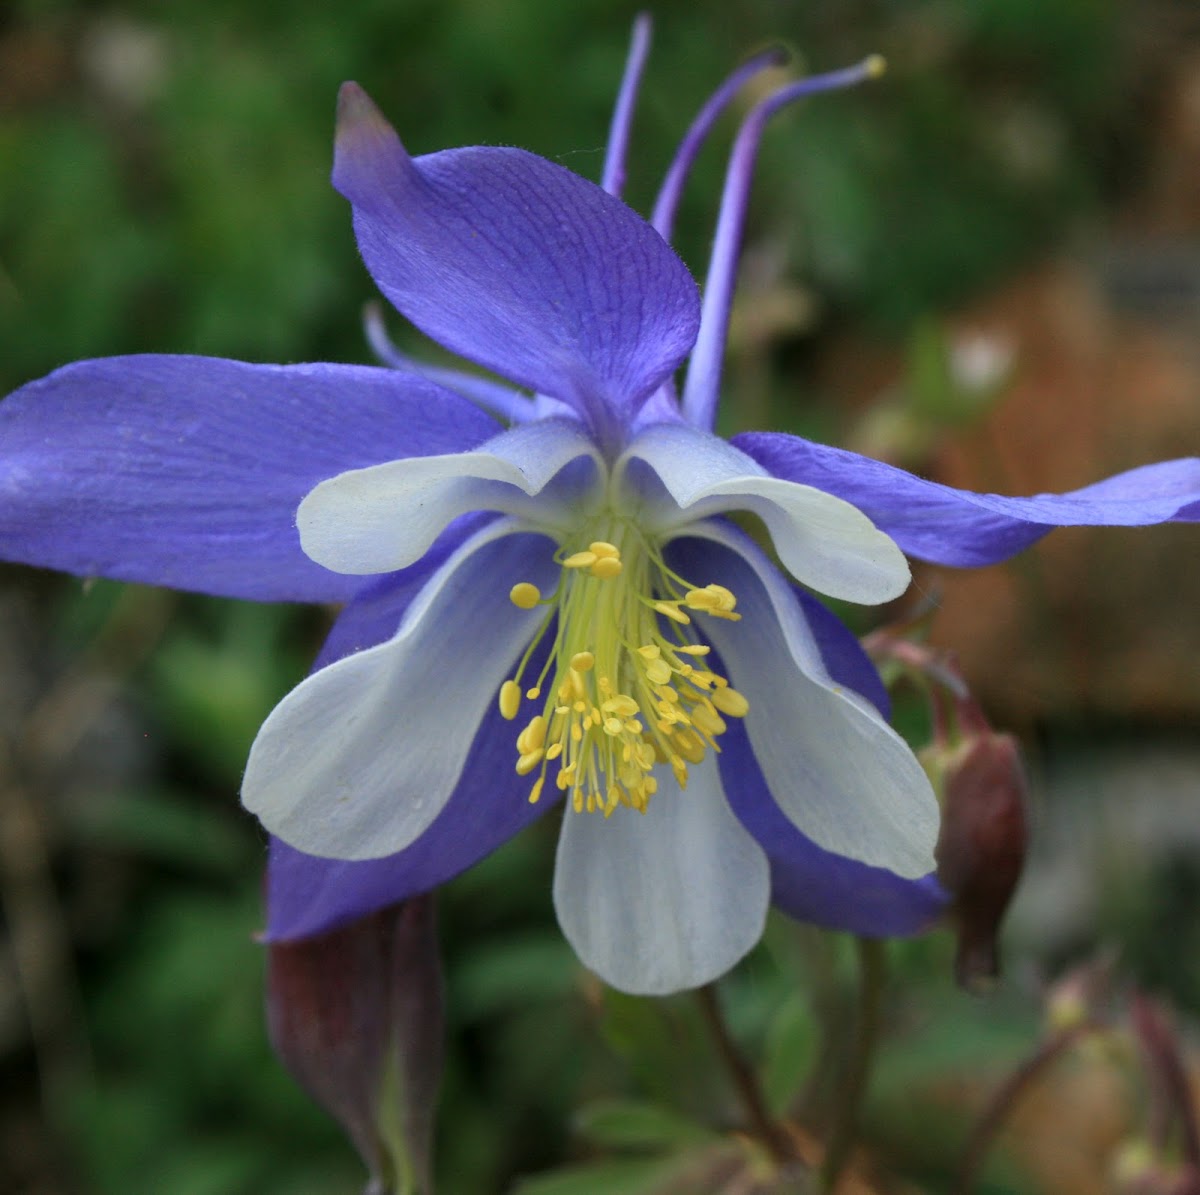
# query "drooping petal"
(382, 518)
(663, 901)
(845, 660)
(806, 882)
(308, 895)
(822, 540)
(360, 758)
(187, 471)
(839, 773)
(957, 527)
(819, 886)
(518, 264)
(374, 614)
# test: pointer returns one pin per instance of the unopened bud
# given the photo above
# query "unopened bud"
(981, 848)
(356, 1016)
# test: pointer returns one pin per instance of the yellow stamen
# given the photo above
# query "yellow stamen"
(624, 696)
(510, 699)
(672, 610)
(524, 595)
(606, 567)
(729, 701)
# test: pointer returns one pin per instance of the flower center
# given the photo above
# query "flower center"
(625, 687)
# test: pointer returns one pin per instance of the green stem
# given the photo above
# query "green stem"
(872, 964)
(744, 1078)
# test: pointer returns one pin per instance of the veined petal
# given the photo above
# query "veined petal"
(663, 901)
(839, 773)
(957, 527)
(845, 660)
(383, 518)
(819, 886)
(822, 540)
(187, 471)
(518, 264)
(360, 758)
(309, 895)
(806, 882)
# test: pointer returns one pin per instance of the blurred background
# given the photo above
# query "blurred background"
(985, 267)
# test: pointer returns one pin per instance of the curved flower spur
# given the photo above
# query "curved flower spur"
(542, 598)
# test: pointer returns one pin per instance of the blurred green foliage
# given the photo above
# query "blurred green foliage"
(164, 187)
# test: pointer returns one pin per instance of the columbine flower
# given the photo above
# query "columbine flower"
(551, 606)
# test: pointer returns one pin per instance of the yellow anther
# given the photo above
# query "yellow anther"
(708, 721)
(874, 65)
(730, 701)
(510, 699)
(524, 595)
(533, 736)
(658, 672)
(622, 704)
(620, 697)
(724, 597)
(713, 599)
(606, 567)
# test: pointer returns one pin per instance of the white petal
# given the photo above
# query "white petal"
(842, 775)
(823, 541)
(663, 901)
(385, 517)
(357, 760)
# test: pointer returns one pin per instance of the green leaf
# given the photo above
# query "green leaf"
(161, 826)
(635, 1124)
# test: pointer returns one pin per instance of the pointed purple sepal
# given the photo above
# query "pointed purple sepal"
(519, 265)
(943, 525)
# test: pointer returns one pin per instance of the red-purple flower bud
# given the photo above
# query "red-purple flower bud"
(981, 848)
(356, 1016)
